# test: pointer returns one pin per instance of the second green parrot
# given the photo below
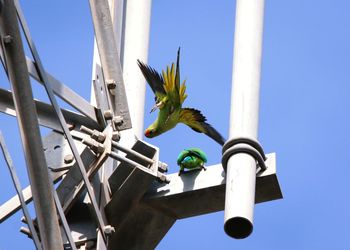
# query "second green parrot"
(170, 96)
(192, 158)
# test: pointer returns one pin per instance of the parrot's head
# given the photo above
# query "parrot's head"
(151, 132)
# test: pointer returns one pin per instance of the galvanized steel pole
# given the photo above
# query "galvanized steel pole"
(136, 40)
(29, 128)
(241, 167)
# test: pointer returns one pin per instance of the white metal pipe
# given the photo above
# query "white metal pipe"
(135, 46)
(241, 168)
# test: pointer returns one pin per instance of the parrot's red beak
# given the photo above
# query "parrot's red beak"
(147, 133)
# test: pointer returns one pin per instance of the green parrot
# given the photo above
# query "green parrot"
(191, 158)
(170, 95)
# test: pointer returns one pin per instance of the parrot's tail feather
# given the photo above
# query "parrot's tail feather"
(213, 133)
(195, 120)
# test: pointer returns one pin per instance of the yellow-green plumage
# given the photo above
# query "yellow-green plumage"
(170, 95)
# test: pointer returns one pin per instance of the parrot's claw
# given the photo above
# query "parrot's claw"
(204, 168)
(181, 172)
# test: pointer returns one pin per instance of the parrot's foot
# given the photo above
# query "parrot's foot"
(182, 171)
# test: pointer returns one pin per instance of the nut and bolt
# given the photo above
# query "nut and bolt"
(115, 136)
(108, 230)
(111, 84)
(94, 145)
(118, 120)
(68, 159)
(98, 136)
(108, 114)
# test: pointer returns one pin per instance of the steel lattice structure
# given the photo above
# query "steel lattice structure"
(107, 179)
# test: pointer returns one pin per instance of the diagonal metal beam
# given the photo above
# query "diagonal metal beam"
(46, 113)
(19, 191)
(67, 94)
(29, 127)
(56, 149)
(51, 95)
(2, 56)
(64, 221)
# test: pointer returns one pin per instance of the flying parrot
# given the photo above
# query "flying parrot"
(170, 95)
(191, 158)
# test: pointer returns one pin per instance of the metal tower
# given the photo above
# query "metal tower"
(110, 183)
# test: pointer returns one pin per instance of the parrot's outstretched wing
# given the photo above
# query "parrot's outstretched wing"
(174, 90)
(195, 120)
(154, 79)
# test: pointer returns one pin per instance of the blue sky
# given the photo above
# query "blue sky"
(304, 101)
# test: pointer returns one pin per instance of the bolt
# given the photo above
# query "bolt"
(111, 84)
(7, 39)
(86, 130)
(163, 167)
(68, 158)
(118, 120)
(71, 126)
(108, 114)
(162, 178)
(97, 135)
(108, 230)
(94, 145)
(115, 136)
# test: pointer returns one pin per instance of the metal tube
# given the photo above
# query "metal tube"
(131, 152)
(241, 168)
(29, 128)
(136, 40)
(128, 161)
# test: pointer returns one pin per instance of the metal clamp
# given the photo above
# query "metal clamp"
(244, 145)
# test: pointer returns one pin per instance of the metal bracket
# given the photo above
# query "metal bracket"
(244, 145)
(110, 61)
